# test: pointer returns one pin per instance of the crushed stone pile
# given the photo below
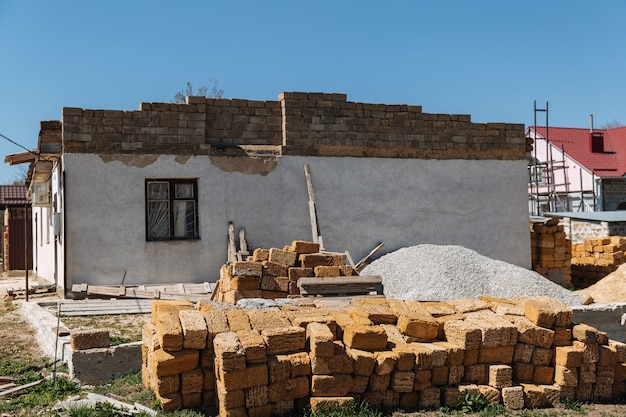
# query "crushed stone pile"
(610, 289)
(447, 272)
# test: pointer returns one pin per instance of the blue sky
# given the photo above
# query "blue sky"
(489, 59)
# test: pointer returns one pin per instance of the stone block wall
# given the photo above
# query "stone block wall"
(316, 124)
(595, 258)
(388, 353)
(551, 252)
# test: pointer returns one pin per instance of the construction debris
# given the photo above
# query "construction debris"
(525, 352)
(93, 399)
(184, 291)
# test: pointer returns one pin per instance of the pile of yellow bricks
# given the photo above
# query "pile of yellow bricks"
(595, 258)
(522, 353)
(551, 252)
(274, 273)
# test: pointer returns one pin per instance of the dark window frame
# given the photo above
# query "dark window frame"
(171, 199)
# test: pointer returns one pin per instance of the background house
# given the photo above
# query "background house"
(16, 228)
(576, 169)
(145, 196)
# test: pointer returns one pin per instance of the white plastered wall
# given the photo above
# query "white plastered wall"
(480, 204)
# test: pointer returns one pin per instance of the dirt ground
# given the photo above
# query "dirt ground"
(23, 343)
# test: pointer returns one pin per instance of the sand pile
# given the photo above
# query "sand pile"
(442, 273)
(610, 289)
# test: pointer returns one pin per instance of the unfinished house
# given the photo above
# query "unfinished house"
(577, 169)
(146, 196)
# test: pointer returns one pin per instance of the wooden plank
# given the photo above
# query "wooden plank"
(340, 285)
(7, 386)
(366, 261)
(315, 227)
(232, 247)
(20, 388)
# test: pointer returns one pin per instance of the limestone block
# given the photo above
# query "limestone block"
(337, 385)
(281, 340)
(304, 247)
(585, 333)
(319, 404)
(450, 396)
(587, 373)
(471, 357)
(191, 382)
(496, 354)
(207, 358)
(591, 351)
(523, 353)
(283, 408)
(327, 271)
(618, 389)
(402, 381)
(243, 283)
(283, 367)
(406, 358)
(247, 269)
(289, 389)
(340, 362)
(169, 331)
(209, 398)
(490, 393)
(439, 308)
(470, 389)
(562, 336)
(584, 391)
(89, 339)
(605, 375)
(208, 381)
(476, 374)
(500, 376)
(495, 330)
(568, 356)
(430, 398)
(363, 361)
(320, 339)
(238, 320)
(229, 353)
(513, 397)
(278, 285)
(374, 398)
(423, 379)
(620, 350)
(257, 396)
(365, 337)
(274, 269)
(260, 255)
(375, 309)
(408, 401)
(461, 333)
(619, 372)
(194, 329)
(543, 375)
(267, 319)
(469, 305)
(164, 363)
(149, 338)
(296, 273)
(565, 376)
(283, 257)
(170, 402)
(534, 396)
(379, 383)
(167, 385)
(233, 412)
(322, 259)
(359, 384)
(540, 313)
(394, 337)
(456, 354)
(440, 375)
(542, 357)
(414, 320)
(455, 375)
(253, 345)
(563, 314)
(168, 306)
(530, 333)
(229, 399)
(385, 362)
(602, 391)
(238, 379)
(216, 322)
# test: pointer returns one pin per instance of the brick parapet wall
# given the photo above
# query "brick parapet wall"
(317, 124)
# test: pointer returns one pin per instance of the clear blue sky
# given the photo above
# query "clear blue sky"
(490, 59)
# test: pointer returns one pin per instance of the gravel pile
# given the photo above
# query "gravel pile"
(444, 273)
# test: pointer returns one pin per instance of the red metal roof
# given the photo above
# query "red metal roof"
(576, 144)
(13, 195)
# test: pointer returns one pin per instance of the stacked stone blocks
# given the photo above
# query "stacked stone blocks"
(551, 252)
(595, 258)
(520, 353)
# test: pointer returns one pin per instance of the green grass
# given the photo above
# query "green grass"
(346, 410)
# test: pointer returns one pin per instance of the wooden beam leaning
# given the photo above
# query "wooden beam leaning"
(315, 227)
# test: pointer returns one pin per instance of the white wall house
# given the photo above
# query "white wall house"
(145, 196)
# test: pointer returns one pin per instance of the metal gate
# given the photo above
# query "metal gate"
(20, 229)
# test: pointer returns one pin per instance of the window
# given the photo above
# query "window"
(171, 209)
(535, 172)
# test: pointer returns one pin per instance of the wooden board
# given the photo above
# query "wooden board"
(341, 285)
(103, 307)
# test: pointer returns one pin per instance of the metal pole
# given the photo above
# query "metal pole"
(26, 248)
